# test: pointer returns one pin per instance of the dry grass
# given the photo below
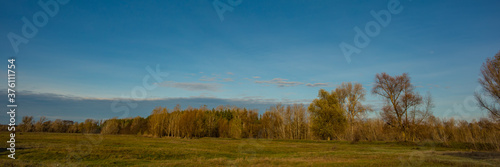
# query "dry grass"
(59, 149)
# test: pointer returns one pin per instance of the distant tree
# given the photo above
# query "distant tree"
(67, 124)
(27, 124)
(235, 127)
(267, 130)
(173, 124)
(39, 126)
(328, 119)
(350, 97)
(250, 121)
(157, 121)
(111, 126)
(138, 125)
(299, 122)
(187, 123)
(90, 126)
(73, 128)
(57, 126)
(276, 121)
(210, 122)
(490, 81)
(223, 125)
(399, 96)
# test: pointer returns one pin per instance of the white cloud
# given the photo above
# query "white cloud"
(230, 73)
(205, 78)
(256, 77)
(317, 84)
(280, 82)
(191, 86)
(228, 80)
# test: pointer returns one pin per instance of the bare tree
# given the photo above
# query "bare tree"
(419, 114)
(490, 81)
(400, 98)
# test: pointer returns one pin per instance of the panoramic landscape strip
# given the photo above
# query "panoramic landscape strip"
(250, 83)
(406, 120)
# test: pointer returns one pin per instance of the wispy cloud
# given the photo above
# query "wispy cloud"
(317, 84)
(256, 77)
(228, 80)
(191, 86)
(280, 82)
(205, 78)
(216, 78)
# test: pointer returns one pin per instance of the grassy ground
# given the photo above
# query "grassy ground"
(56, 149)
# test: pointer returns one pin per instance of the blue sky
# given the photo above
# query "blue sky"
(263, 52)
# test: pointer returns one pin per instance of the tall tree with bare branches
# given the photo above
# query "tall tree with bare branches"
(490, 81)
(400, 98)
(419, 114)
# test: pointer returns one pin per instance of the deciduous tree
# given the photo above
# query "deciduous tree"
(490, 81)
(400, 97)
(350, 97)
(27, 124)
(328, 119)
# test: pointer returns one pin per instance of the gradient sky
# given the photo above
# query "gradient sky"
(263, 52)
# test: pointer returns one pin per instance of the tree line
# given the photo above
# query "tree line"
(339, 114)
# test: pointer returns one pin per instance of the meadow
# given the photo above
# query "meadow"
(77, 149)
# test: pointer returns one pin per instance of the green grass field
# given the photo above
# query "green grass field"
(62, 149)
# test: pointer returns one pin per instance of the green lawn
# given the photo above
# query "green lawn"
(58, 149)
